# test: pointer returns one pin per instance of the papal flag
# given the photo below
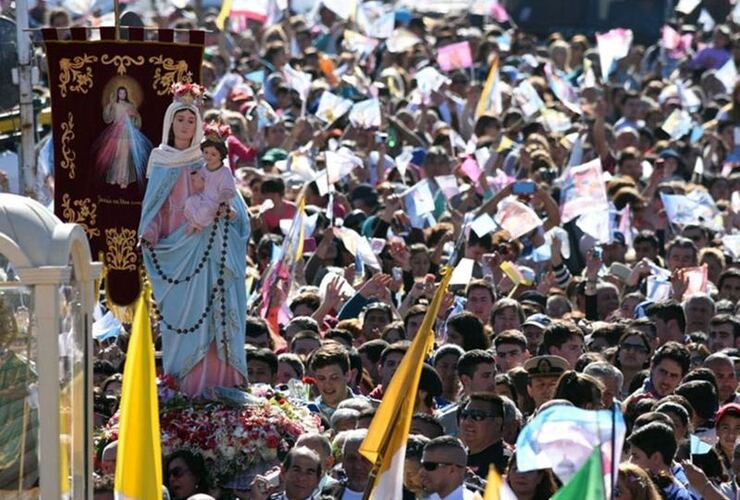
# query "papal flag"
(385, 444)
(332, 107)
(490, 98)
(139, 458)
(496, 487)
(281, 269)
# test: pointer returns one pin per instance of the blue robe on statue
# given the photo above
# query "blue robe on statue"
(185, 273)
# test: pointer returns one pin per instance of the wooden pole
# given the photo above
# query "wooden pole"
(371, 480)
(117, 14)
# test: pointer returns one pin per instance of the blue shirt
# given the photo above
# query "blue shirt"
(677, 492)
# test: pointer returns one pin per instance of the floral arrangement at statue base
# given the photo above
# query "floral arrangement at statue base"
(242, 430)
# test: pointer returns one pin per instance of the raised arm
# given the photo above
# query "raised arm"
(551, 208)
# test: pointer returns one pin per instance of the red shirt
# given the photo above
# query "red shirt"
(273, 216)
(239, 152)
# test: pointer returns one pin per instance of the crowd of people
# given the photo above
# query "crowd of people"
(399, 164)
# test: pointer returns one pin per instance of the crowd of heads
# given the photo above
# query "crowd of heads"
(579, 324)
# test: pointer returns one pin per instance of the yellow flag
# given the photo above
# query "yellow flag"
(493, 485)
(514, 273)
(385, 444)
(223, 14)
(139, 458)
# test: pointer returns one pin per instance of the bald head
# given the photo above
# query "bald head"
(303, 454)
(319, 444)
(718, 359)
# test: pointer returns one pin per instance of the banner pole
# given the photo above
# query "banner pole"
(117, 15)
(25, 80)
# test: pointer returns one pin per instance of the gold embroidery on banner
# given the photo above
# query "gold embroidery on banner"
(68, 155)
(85, 214)
(122, 62)
(121, 244)
(168, 73)
(74, 72)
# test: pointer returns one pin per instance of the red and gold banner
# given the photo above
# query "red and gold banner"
(108, 103)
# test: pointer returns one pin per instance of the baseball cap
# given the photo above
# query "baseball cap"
(728, 409)
(539, 320)
(627, 129)
(274, 155)
(670, 153)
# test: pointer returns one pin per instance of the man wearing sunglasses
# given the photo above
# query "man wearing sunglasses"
(481, 421)
(443, 469)
(476, 370)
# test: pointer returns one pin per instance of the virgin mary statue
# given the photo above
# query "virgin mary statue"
(197, 277)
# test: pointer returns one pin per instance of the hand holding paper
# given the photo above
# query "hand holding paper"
(455, 56)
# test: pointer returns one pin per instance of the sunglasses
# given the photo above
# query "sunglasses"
(477, 415)
(432, 466)
(177, 472)
(635, 347)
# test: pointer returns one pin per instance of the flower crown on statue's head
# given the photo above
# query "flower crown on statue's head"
(216, 132)
(187, 92)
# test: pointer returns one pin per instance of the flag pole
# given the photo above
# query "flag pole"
(613, 450)
(371, 478)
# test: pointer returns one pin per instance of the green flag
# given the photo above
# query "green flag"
(587, 483)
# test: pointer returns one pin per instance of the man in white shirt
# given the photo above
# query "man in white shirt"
(443, 469)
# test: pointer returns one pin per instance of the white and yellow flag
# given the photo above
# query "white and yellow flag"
(490, 97)
(385, 444)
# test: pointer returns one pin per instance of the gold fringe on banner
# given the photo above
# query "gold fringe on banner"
(123, 313)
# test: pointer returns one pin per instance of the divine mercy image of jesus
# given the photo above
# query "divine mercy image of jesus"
(121, 150)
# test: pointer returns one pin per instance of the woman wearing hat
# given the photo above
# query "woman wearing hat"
(727, 424)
